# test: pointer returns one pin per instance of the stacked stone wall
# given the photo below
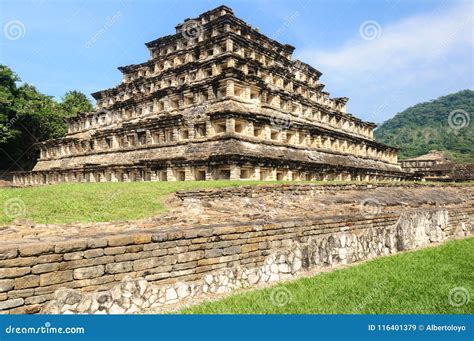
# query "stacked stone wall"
(130, 272)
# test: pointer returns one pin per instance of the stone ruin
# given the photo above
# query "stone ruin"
(216, 100)
(170, 261)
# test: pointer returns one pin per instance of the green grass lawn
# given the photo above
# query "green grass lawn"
(409, 283)
(97, 202)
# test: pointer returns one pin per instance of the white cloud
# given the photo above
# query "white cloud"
(412, 53)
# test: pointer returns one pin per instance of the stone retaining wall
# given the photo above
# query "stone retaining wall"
(298, 189)
(177, 265)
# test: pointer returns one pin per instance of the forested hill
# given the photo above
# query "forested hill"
(442, 124)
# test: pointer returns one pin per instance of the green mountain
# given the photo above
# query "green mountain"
(442, 124)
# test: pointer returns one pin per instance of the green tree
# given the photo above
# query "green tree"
(8, 93)
(74, 102)
(27, 117)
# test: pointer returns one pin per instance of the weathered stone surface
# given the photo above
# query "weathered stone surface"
(159, 237)
(159, 252)
(70, 246)
(54, 258)
(97, 242)
(212, 253)
(56, 277)
(14, 272)
(29, 281)
(18, 262)
(21, 293)
(47, 267)
(89, 272)
(115, 250)
(30, 309)
(38, 299)
(171, 294)
(8, 252)
(134, 248)
(82, 263)
(184, 266)
(36, 249)
(6, 285)
(114, 268)
(133, 256)
(121, 240)
(11, 303)
(93, 253)
(73, 255)
(231, 250)
(142, 264)
(142, 238)
(190, 256)
(249, 248)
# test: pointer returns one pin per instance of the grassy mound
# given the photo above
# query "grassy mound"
(101, 202)
(94, 202)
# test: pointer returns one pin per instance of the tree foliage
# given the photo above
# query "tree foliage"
(27, 116)
(74, 102)
(426, 126)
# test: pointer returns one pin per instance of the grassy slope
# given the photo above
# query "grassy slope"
(409, 283)
(94, 202)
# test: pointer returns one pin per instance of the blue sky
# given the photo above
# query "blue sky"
(385, 55)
